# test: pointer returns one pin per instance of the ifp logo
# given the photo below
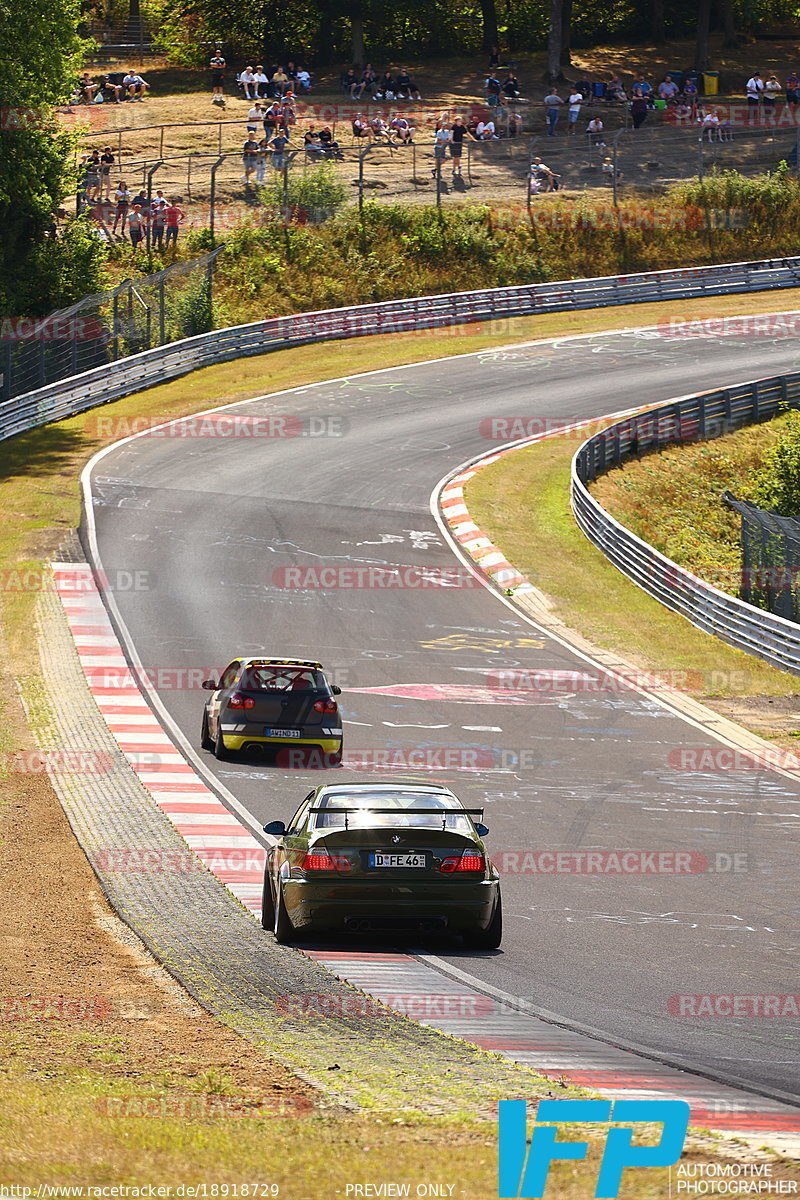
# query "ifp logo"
(523, 1170)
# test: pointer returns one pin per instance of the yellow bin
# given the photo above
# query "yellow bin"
(710, 82)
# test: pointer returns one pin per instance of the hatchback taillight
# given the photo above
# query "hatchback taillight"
(321, 860)
(468, 861)
(326, 706)
(237, 700)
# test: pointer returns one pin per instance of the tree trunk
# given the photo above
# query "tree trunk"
(703, 31)
(357, 35)
(554, 73)
(325, 53)
(566, 33)
(728, 17)
(657, 30)
(490, 35)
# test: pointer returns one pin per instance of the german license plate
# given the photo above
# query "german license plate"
(282, 733)
(397, 860)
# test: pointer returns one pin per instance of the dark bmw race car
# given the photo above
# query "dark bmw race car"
(263, 703)
(381, 856)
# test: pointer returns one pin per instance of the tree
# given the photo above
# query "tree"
(703, 33)
(566, 33)
(41, 57)
(657, 29)
(491, 37)
(554, 41)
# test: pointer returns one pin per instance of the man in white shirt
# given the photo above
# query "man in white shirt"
(254, 117)
(247, 79)
(575, 101)
(755, 86)
(595, 132)
(304, 79)
(486, 131)
(261, 80)
(135, 86)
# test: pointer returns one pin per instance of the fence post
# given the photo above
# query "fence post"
(162, 316)
(6, 389)
(212, 198)
(148, 224)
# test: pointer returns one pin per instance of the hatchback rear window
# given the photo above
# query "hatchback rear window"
(282, 679)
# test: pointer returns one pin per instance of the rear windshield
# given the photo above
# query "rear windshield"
(282, 679)
(404, 813)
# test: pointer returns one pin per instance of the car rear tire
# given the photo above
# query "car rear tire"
(491, 937)
(205, 736)
(219, 747)
(283, 928)
(267, 905)
(335, 759)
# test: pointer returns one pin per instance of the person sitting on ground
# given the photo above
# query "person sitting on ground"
(668, 89)
(360, 127)
(303, 80)
(330, 146)
(493, 86)
(280, 82)
(311, 142)
(385, 88)
(485, 131)
(369, 79)
(511, 87)
(405, 87)
(136, 86)
(709, 124)
(615, 90)
(642, 88)
(247, 82)
(472, 126)
(596, 133)
(261, 82)
(682, 111)
(110, 91)
(380, 130)
(349, 81)
(87, 89)
(401, 130)
(690, 90)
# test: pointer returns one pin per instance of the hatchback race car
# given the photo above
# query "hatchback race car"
(270, 703)
(382, 856)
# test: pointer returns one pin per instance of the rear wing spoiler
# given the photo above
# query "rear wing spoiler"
(444, 813)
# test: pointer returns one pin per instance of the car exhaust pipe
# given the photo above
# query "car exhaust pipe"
(357, 924)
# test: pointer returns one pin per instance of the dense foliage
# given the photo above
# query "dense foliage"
(41, 55)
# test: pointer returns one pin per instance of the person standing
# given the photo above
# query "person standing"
(755, 89)
(107, 161)
(441, 141)
(249, 158)
(772, 89)
(792, 88)
(575, 101)
(638, 110)
(278, 146)
(122, 196)
(173, 216)
(217, 68)
(136, 226)
(158, 223)
(552, 103)
(458, 131)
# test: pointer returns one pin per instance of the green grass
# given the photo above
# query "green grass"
(522, 503)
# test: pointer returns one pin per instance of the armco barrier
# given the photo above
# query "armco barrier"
(116, 379)
(754, 630)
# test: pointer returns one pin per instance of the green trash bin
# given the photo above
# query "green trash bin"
(660, 105)
(710, 82)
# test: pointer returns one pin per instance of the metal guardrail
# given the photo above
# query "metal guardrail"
(113, 380)
(709, 415)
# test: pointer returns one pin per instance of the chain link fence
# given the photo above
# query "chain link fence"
(137, 315)
(770, 559)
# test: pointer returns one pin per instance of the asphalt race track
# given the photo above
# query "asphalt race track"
(213, 520)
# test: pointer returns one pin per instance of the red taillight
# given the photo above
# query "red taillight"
(237, 700)
(326, 706)
(468, 861)
(321, 860)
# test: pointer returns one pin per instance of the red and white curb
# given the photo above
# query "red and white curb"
(405, 982)
(216, 836)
